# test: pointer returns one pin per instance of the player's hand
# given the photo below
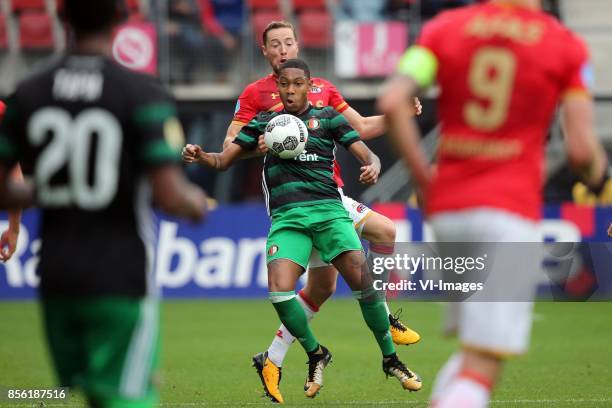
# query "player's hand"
(610, 230)
(261, 145)
(191, 153)
(418, 108)
(8, 244)
(369, 174)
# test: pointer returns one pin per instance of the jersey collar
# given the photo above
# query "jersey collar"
(301, 114)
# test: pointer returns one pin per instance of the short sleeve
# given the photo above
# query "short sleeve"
(341, 130)
(336, 100)
(160, 132)
(249, 134)
(246, 107)
(579, 77)
(10, 131)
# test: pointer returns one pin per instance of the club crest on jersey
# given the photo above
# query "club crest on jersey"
(313, 123)
(315, 90)
(272, 250)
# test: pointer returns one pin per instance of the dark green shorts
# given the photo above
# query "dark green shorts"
(107, 346)
(325, 226)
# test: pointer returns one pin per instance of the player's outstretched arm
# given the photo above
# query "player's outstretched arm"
(585, 152)
(173, 194)
(218, 161)
(370, 127)
(371, 163)
(232, 132)
(395, 105)
(8, 238)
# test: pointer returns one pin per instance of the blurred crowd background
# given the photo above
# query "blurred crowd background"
(207, 51)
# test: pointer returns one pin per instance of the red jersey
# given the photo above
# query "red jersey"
(262, 95)
(502, 71)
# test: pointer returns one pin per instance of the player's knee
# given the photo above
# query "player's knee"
(276, 278)
(384, 232)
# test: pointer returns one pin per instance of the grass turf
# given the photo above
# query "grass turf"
(207, 347)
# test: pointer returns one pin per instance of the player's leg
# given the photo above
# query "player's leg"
(121, 339)
(288, 250)
(338, 243)
(379, 231)
(291, 313)
(351, 265)
(282, 277)
(320, 285)
(64, 338)
(489, 330)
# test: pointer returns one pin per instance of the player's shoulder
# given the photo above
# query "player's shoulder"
(453, 16)
(261, 83)
(135, 83)
(321, 82)
(38, 79)
(265, 116)
(563, 33)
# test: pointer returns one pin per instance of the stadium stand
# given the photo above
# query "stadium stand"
(3, 32)
(260, 19)
(36, 30)
(263, 4)
(299, 5)
(315, 28)
(27, 5)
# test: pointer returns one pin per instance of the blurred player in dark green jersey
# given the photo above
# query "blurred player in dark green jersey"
(100, 143)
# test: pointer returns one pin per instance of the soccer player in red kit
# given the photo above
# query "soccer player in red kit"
(279, 45)
(502, 67)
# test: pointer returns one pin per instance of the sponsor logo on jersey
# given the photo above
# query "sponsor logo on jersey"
(313, 123)
(307, 157)
(315, 90)
(272, 250)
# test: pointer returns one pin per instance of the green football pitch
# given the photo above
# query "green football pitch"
(207, 348)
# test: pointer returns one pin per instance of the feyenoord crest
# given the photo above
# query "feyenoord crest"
(313, 123)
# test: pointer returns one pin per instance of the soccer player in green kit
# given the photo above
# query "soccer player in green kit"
(306, 212)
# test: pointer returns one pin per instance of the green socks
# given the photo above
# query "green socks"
(293, 317)
(376, 317)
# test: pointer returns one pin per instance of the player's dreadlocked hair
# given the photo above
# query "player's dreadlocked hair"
(87, 17)
(295, 63)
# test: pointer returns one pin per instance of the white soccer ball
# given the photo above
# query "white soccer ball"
(286, 136)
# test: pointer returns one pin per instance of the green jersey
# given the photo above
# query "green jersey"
(308, 178)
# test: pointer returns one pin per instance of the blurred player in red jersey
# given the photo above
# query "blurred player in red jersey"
(279, 45)
(8, 238)
(492, 61)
